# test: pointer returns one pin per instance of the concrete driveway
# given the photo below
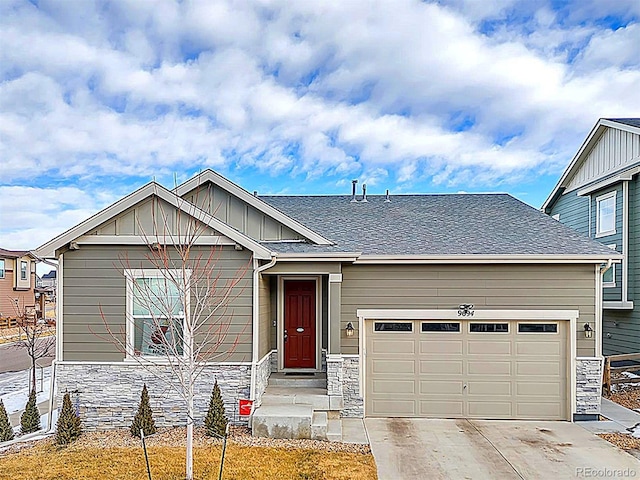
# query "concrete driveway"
(492, 449)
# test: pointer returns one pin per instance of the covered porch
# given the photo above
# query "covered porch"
(298, 387)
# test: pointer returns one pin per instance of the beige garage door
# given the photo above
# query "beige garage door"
(466, 368)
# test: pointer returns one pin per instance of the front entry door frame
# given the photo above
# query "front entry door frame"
(280, 326)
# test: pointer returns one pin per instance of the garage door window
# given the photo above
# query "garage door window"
(537, 328)
(440, 327)
(489, 328)
(393, 327)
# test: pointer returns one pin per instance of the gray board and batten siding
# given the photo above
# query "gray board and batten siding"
(94, 290)
(495, 287)
(238, 214)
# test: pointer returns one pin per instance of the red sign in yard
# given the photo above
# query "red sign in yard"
(245, 407)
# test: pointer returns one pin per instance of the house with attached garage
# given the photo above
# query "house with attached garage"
(598, 195)
(457, 306)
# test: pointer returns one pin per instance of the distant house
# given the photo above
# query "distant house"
(49, 279)
(445, 306)
(598, 195)
(17, 282)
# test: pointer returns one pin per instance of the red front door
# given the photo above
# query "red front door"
(299, 324)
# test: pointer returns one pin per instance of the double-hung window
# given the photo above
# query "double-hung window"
(2, 268)
(23, 270)
(606, 214)
(156, 304)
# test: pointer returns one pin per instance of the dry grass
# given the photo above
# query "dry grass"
(10, 335)
(95, 457)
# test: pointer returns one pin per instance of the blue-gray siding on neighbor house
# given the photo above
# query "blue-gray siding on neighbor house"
(621, 328)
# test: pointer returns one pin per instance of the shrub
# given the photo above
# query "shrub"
(6, 431)
(144, 416)
(216, 420)
(30, 418)
(68, 427)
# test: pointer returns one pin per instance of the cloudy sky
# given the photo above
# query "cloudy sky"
(98, 98)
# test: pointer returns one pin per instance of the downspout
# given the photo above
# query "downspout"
(599, 294)
(255, 324)
(625, 242)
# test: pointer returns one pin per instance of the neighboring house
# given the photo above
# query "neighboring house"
(17, 281)
(49, 279)
(405, 306)
(598, 195)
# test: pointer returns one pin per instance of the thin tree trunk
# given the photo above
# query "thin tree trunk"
(190, 436)
(33, 374)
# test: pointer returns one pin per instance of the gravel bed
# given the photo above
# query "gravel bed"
(621, 440)
(175, 437)
(627, 395)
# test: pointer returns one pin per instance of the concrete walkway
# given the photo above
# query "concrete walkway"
(491, 449)
(619, 419)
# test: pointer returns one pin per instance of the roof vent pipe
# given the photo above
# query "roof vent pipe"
(364, 192)
(353, 190)
(255, 193)
(386, 198)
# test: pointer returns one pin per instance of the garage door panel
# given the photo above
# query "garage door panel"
(396, 367)
(441, 387)
(393, 386)
(399, 407)
(489, 388)
(490, 409)
(393, 346)
(536, 349)
(484, 347)
(539, 389)
(507, 375)
(441, 347)
(536, 410)
(490, 368)
(442, 367)
(439, 408)
(540, 368)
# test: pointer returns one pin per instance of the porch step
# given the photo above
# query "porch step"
(319, 426)
(274, 421)
(315, 397)
(334, 430)
(316, 380)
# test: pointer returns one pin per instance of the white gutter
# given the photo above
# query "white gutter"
(471, 259)
(255, 323)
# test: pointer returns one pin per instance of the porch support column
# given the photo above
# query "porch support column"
(335, 293)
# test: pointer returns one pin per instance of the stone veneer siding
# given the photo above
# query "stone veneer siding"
(108, 394)
(263, 372)
(343, 379)
(588, 385)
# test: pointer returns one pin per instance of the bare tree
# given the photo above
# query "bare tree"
(180, 312)
(33, 336)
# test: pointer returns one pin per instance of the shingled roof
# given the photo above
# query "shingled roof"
(460, 224)
(633, 122)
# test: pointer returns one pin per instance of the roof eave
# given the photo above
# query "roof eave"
(473, 258)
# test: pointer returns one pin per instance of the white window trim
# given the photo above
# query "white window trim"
(130, 276)
(601, 198)
(25, 271)
(613, 271)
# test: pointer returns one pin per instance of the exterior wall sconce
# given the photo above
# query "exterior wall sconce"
(350, 330)
(588, 331)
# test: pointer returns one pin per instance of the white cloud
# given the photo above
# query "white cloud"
(312, 90)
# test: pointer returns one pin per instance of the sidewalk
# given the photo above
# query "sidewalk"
(619, 420)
